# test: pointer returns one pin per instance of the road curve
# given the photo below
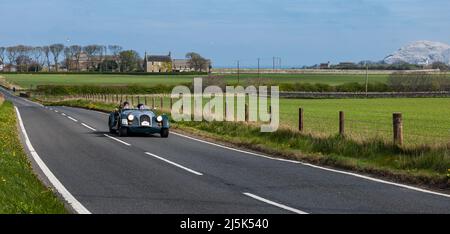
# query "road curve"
(107, 174)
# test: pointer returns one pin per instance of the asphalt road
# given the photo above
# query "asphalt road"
(108, 174)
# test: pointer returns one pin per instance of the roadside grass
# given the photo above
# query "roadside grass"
(419, 165)
(20, 190)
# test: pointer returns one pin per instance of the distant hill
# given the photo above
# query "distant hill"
(421, 53)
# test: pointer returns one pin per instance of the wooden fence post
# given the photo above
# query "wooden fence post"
(398, 128)
(153, 102)
(171, 103)
(246, 112)
(300, 119)
(341, 123)
(161, 102)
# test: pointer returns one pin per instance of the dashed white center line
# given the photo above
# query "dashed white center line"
(87, 126)
(123, 142)
(275, 204)
(63, 114)
(72, 119)
(175, 164)
(56, 111)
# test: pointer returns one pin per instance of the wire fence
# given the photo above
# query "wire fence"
(416, 131)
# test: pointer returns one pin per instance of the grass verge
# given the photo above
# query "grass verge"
(20, 190)
(424, 166)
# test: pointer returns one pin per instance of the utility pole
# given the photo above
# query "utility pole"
(259, 76)
(238, 71)
(367, 78)
(273, 63)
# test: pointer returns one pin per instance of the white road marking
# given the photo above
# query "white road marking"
(63, 114)
(72, 119)
(123, 142)
(322, 168)
(71, 200)
(56, 111)
(275, 204)
(87, 126)
(237, 150)
(175, 164)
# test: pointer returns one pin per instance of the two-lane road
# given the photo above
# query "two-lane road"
(180, 174)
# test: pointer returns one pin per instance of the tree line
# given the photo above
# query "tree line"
(93, 58)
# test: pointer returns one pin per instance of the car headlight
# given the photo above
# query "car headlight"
(159, 118)
(130, 117)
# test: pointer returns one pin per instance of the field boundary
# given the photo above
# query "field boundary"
(286, 94)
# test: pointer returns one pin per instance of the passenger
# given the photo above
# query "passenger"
(141, 106)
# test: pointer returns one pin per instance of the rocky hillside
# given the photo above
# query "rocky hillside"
(421, 53)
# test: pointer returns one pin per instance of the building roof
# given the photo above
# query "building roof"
(158, 58)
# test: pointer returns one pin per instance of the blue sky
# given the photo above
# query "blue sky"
(301, 32)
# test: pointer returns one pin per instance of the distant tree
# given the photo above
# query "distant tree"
(91, 51)
(56, 50)
(22, 62)
(196, 61)
(46, 51)
(2, 55)
(75, 51)
(115, 51)
(129, 61)
(12, 52)
(441, 66)
(68, 58)
(37, 57)
(109, 65)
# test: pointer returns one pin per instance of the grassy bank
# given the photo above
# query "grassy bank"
(419, 165)
(20, 190)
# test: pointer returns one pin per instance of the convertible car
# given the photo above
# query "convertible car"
(144, 121)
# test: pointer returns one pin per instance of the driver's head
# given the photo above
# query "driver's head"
(126, 105)
(140, 106)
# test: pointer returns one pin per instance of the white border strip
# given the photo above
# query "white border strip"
(71, 200)
(123, 142)
(74, 120)
(275, 203)
(87, 126)
(175, 164)
(319, 167)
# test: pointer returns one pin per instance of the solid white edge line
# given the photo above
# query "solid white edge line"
(71, 200)
(175, 164)
(72, 119)
(123, 142)
(275, 203)
(323, 168)
(87, 126)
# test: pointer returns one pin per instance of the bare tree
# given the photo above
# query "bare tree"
(46, 51)
(91, 51)
(115, 52)
(2, 54)
(75, 50)
(56, 50)
(12, 52)
(67, 58)
(37, 56)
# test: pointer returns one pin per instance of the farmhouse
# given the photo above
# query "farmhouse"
(157, 63)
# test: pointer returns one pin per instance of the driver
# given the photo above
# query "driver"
(126, 105)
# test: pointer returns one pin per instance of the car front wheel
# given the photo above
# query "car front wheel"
(123, 132)
(164, 132)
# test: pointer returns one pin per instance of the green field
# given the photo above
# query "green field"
(28, 80)
(426, 120)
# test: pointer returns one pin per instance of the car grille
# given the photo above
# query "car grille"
(145, 118)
